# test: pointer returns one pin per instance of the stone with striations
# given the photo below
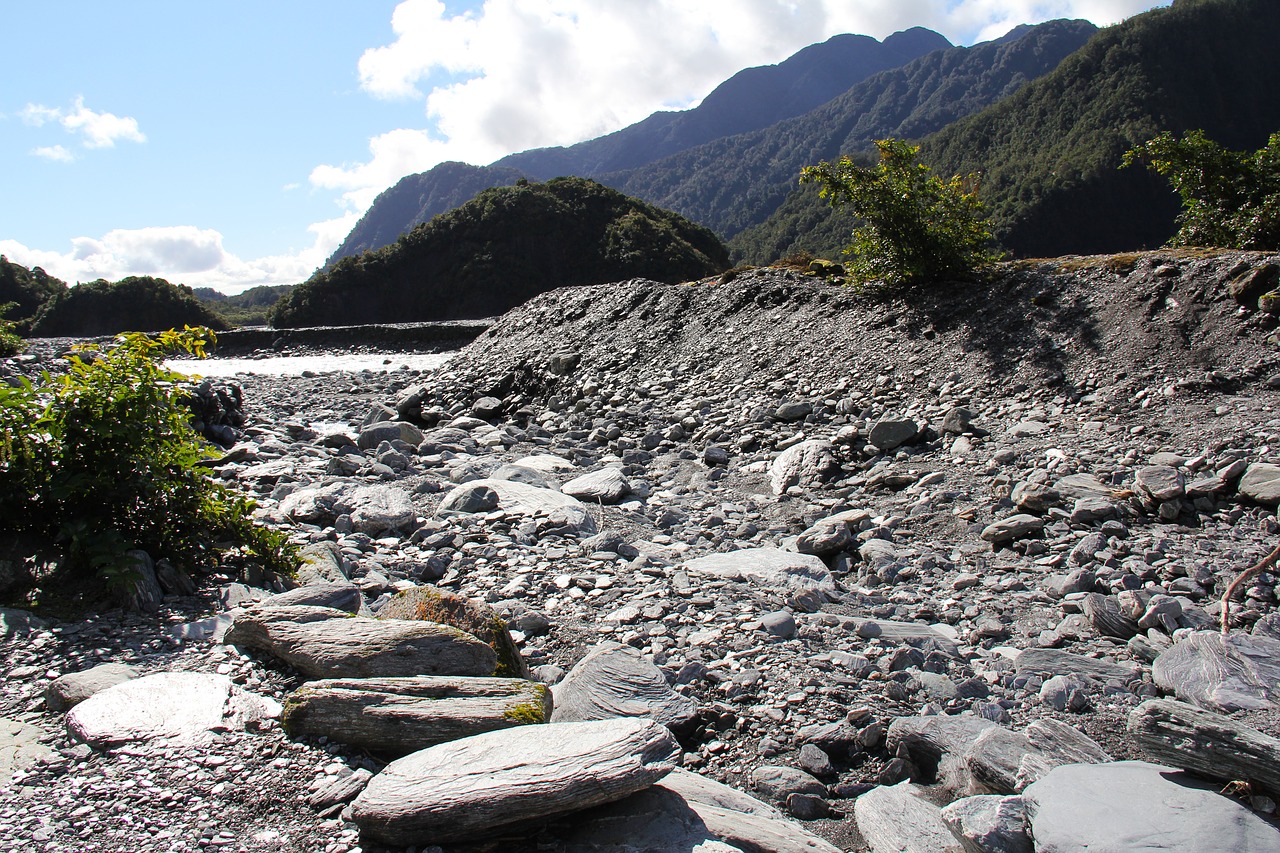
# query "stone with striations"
(1261, 483)
(606, 486)
(614, 681)
(989, 824)
(808, 465)
(1220, 673)
(478, 786)
(897, 819)
(768, 567)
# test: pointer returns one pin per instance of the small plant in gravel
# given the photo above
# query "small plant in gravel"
(914, 226)
(102, 459)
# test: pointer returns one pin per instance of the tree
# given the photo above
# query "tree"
(1230, 199)
(915, 226)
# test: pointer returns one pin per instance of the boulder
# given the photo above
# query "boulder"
(897, 819)
(515, 498)
(321, 642)
(612, 681)
(808, 465)
(989, 824)
(72, 689)
(606, 486)
(1013, 528)
(467, 499)
(470, 615)
(21, 746)
(890, 433)
(769, 567)
(178, 707)
(402, 715)
(15, 624)
(1159, 483)
(1051, 662)
(688, 812)
(779, 782)
(1206, 743)
(321, 563)
(342, 595)
(376, 433)
(478, 786)
(1230, 673)
(374, 508)
(1261, 483)
(1132, 806)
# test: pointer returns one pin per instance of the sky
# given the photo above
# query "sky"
(233, 144)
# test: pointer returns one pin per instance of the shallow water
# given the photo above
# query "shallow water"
(295, 365)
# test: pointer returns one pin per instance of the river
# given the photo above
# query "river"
(297, 365)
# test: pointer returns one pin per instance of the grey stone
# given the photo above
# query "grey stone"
(487, 408)
(688, 812)
(1106, 617)
(1077, 486)
(72, 689)
(321, 642)
(613, 681)
(343, 595)
(779, 623)
(808, 465)
(374, 434)
(896, 819)
(1049, 662)
(778, 781)
(957, 420)
(606, 486)
(401, 715)
(768, 567)
(1034, 497)
(1261, 483)
(141, 593)
(825, 538)
(19, 623)
(795, 410)
(515, 498)
(177, 707)
(1013, 528)
(1159, 483)
(1210, 744)
(21, 746)
(1065, 693)
(1132, 806)
(989, 824)
(321, 563)
(523, 474)
(1220, 673)
(478, 786)
(374, 508)
(890, 433)
(468, 498)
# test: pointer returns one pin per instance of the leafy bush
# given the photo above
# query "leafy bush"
(1230, 199)
(914, 226)
(102, 459)
(10, 343)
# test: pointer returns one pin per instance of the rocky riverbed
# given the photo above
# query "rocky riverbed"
(957, 538)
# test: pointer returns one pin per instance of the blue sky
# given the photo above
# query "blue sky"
(232, 144)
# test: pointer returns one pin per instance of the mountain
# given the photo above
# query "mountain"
(736, 182)
(503, 247)
(751, 99)
(1048, 155)
(417, 198)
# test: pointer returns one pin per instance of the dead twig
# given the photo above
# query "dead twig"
(1245, 576)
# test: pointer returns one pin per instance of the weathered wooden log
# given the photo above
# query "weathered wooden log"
(402, 715)
(1204, 742)
(325, 643)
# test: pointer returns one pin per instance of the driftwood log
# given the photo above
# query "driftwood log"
(1245, 576)
(1210, 744)
(402, 715)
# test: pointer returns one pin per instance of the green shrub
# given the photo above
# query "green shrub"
(102, 459)
(1230, 199)
(914, 226)
(10, 343)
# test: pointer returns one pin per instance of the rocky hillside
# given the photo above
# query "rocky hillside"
(501, 248)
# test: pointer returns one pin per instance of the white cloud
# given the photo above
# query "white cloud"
(54, 152)
(520, 74)
(182, 254)
(96, 130)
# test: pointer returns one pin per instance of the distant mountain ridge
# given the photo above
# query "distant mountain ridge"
(753, 98)
(1049, 154)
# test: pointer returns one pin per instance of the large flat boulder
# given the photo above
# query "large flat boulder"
(897, 819)
(1238, 671)
(402, 715)
(1051, 662)
(1210, 744)
(769, 567)
(515, 498)
(373, 507)
(606, 486)
(478, 786)
(21, 746)
(321, 642)
(614, 681)
(1136, 807)
(688, 812)
(178, 707)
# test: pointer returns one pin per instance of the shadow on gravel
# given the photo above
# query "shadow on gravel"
(1021, 322)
